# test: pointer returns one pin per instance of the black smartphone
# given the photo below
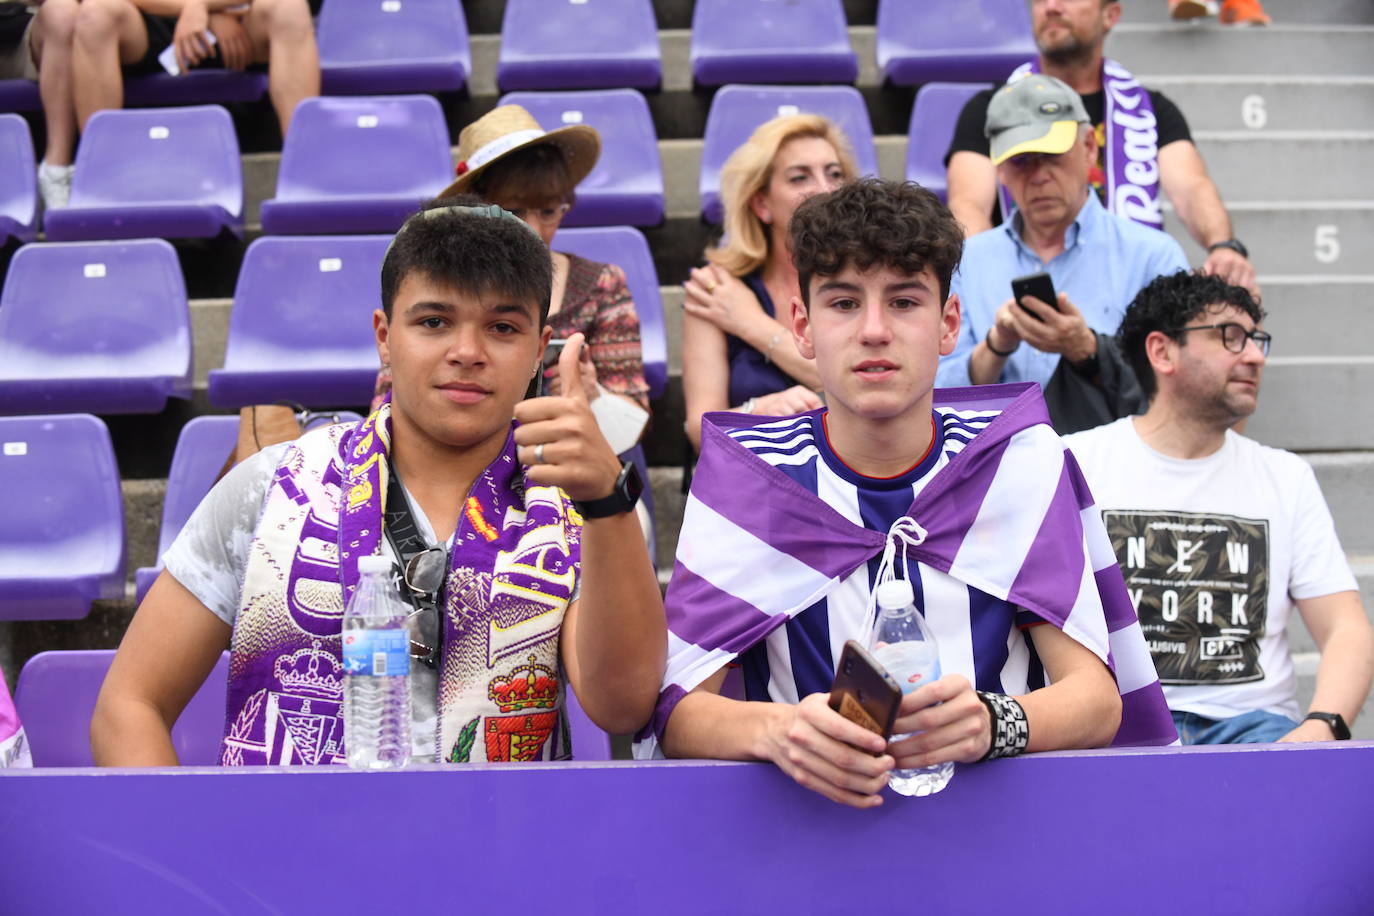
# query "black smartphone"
(1038, 285)
(551, 354)
(863, 692)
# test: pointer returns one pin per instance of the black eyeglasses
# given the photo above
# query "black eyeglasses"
(423, 579)
(1234, 336)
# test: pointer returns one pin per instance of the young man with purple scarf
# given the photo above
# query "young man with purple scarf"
(542, 578)
(967, 494)
(1142, 137)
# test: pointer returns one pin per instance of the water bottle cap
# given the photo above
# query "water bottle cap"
(895, 594)
(376, 563)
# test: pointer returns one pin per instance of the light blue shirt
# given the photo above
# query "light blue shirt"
(1106, 260)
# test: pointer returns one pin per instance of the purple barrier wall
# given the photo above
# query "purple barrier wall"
(1215, 831)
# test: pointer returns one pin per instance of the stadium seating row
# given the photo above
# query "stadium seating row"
(104, 327)
(176, 172)
(389, 46)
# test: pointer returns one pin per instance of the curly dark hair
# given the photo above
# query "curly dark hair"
(898, 224)
(1169, 303)
(489, 250)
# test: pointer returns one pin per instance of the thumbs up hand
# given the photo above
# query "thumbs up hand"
(558, 439)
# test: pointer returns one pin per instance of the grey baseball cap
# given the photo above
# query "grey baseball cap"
(1035, 114)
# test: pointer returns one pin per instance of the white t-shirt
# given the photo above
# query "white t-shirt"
(210, 555)
(1215, 551)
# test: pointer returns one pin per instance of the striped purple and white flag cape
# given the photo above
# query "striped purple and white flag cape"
(1010, 515)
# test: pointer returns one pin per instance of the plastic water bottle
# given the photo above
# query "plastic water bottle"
(905, 646)
(376, 659)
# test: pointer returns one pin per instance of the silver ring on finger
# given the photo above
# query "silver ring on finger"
(539, 453)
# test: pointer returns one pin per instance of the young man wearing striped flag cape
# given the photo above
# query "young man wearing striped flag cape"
(970, 494)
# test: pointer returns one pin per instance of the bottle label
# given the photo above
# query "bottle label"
(912, 664)
(382, 653)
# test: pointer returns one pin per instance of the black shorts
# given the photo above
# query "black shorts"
(160, 31)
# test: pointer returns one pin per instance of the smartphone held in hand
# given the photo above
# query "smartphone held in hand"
(863, 692)
(1037, 285)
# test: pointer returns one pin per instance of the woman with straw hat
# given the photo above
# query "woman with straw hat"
(737, 351)
(507, 159)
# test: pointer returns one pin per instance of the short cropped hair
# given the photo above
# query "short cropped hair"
(1169, 303)
(473, 247)
(897, 224)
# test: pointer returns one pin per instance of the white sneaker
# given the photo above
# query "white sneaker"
(55, 184)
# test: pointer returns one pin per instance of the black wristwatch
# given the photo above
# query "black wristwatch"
(1333, 719)
(1233, 244)
(628, 486)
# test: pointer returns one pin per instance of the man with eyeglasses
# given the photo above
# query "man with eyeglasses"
(512, 519)
(1044, 148)
(1219, 537)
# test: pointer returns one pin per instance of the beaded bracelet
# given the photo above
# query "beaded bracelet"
(1010, 731)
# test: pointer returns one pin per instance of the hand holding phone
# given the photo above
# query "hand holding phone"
(1038, 285)
(863, 691)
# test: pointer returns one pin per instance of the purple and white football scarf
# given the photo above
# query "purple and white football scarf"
(512, 572)
(14, 747)
(1131, 158)
(1010, 515)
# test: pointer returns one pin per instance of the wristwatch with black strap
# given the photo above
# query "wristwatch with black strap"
(1233, 244)
(628, 486)
(1333, 719)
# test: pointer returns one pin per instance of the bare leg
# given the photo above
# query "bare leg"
(51, 41)
(108, 33)
(284, 37)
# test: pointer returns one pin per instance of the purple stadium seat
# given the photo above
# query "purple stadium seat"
(359, 165)
(162, 173)
(737, 110)
(629, 250)
(195, 87)
(972, 41)
(626, 187)
(578, 44)
(18, 184)
(99, 327)
(932, 125)
(202, 449)
(393, 46)
(768, 41)
(301, 326)
(62, 543)
(56, 696)
(589, 742)
(19, 95)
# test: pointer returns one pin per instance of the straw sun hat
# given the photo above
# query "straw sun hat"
(509, 128)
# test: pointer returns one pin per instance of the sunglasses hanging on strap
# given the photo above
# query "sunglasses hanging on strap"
(423, 569)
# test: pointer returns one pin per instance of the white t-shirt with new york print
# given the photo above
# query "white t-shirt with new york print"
(1215, 551)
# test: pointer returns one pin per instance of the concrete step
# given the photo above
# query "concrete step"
(1333, 237)
(1346, 325)
(1326, 50)
(1289, 165)
(1316, 403)
(1271, 103)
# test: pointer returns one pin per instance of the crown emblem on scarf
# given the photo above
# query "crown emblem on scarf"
(311, 670)
(529, 686)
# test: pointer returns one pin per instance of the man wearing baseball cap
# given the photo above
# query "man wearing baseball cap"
(1044, 147)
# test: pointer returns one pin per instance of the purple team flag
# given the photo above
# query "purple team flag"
(1010, 515)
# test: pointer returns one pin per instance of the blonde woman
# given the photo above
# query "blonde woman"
(737, 351)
